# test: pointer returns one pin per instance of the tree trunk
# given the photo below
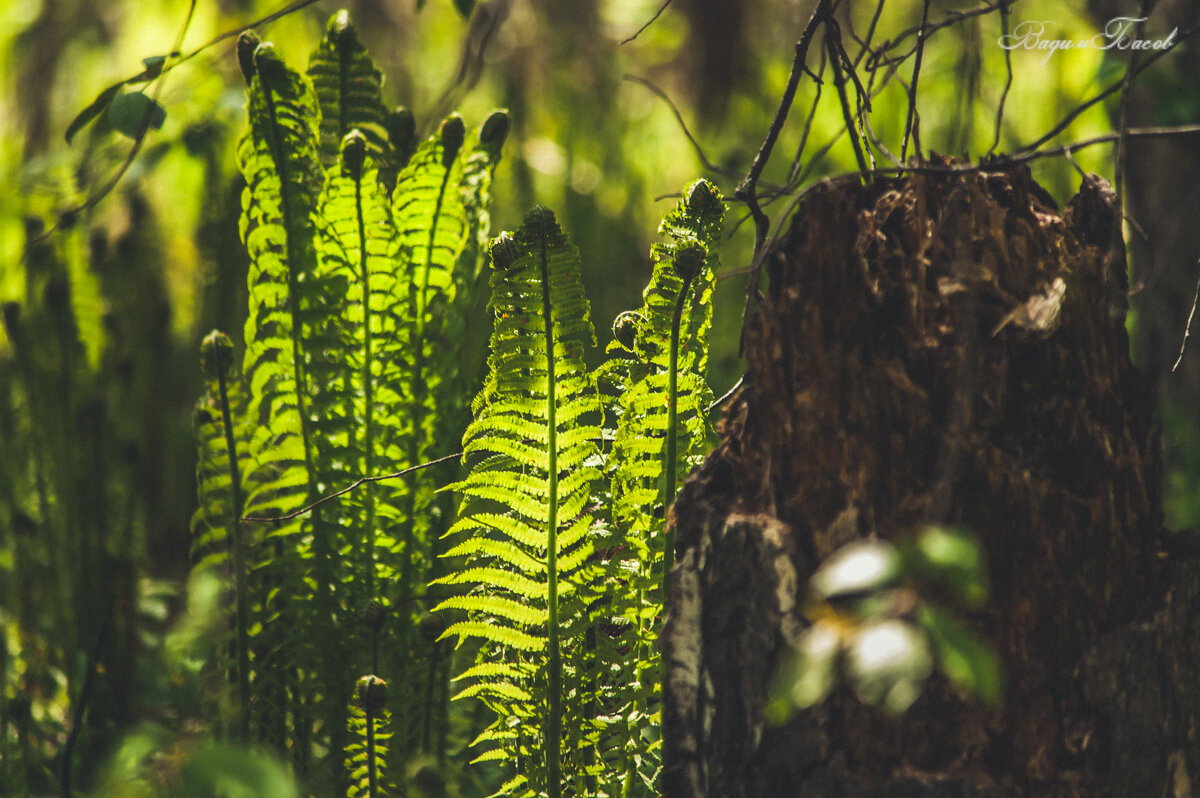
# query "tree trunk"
(916, 362)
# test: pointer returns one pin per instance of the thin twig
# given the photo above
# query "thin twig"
(836, 52)
(68, 217)
(725, 397)
(747, 191)
(912, 125)
(709, 165)
(951, 18)
(808, 123)
(275, 519)
(1187, 330)
(865, 44)
(1116, 86)
(657, 14)
(1008, 79)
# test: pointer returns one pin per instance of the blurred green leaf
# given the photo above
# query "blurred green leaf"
(888, 663)
(98, 105)
(228, 771)
(857, 567)
(153, 68)
(128, 112)
(968, 663)
(465, 7)
(950, 557)
(807, 675)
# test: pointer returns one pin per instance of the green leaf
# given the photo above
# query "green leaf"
(808, 675)
(98, 105)
(128, 113)
(465, 7)
(859, 567)
(966, 661)
(888, 663)
(153, 68)
(950, 557)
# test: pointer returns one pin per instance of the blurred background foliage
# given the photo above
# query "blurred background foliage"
(102, 317)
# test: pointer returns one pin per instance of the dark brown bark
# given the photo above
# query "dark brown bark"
(898, 375)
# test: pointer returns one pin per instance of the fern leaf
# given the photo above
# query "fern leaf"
(278, 160)
(368, 726)
(278, 157)
(348, 90)
(535, 428)
(662, 431)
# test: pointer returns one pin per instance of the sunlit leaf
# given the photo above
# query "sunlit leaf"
(857, 567)
(950, 557)
(888, 663)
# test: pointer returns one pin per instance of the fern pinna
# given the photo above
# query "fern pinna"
(357, 242)
(657, 366)
(527, 528)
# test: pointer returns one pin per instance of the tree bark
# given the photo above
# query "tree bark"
(909, 366)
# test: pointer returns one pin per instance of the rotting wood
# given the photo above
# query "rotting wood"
(940, 350)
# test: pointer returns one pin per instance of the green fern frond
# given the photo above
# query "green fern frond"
(664, 349)
(348, 87)
(431, 228)
(356, 397)
(293, 567)
(368, 724)
(278, 158)
(534, 442)
(659, 364)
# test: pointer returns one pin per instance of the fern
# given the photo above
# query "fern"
(348, 86)
(220, 486)
(354, 285)
(368, 727)
(658, 367)
(279, 158)
(665, 356)
(533, 443)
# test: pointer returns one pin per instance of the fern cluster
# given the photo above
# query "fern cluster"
(359, 243)
(566, 551)
(365, 250)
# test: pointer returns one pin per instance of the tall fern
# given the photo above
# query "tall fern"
(658, 364)
(355, 269)
(218, 541)
(526, 532)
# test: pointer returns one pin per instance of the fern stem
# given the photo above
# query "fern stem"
(670, 467)
(553, 732)
(372, 787)
(239, 563)
(369, 403)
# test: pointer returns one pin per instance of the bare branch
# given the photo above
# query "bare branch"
(709, 165)
(747, 191)
(1187, 330)
(276, 519)
(912, 125)
(657, 14)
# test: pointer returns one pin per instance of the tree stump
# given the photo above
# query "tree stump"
(942, 348)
